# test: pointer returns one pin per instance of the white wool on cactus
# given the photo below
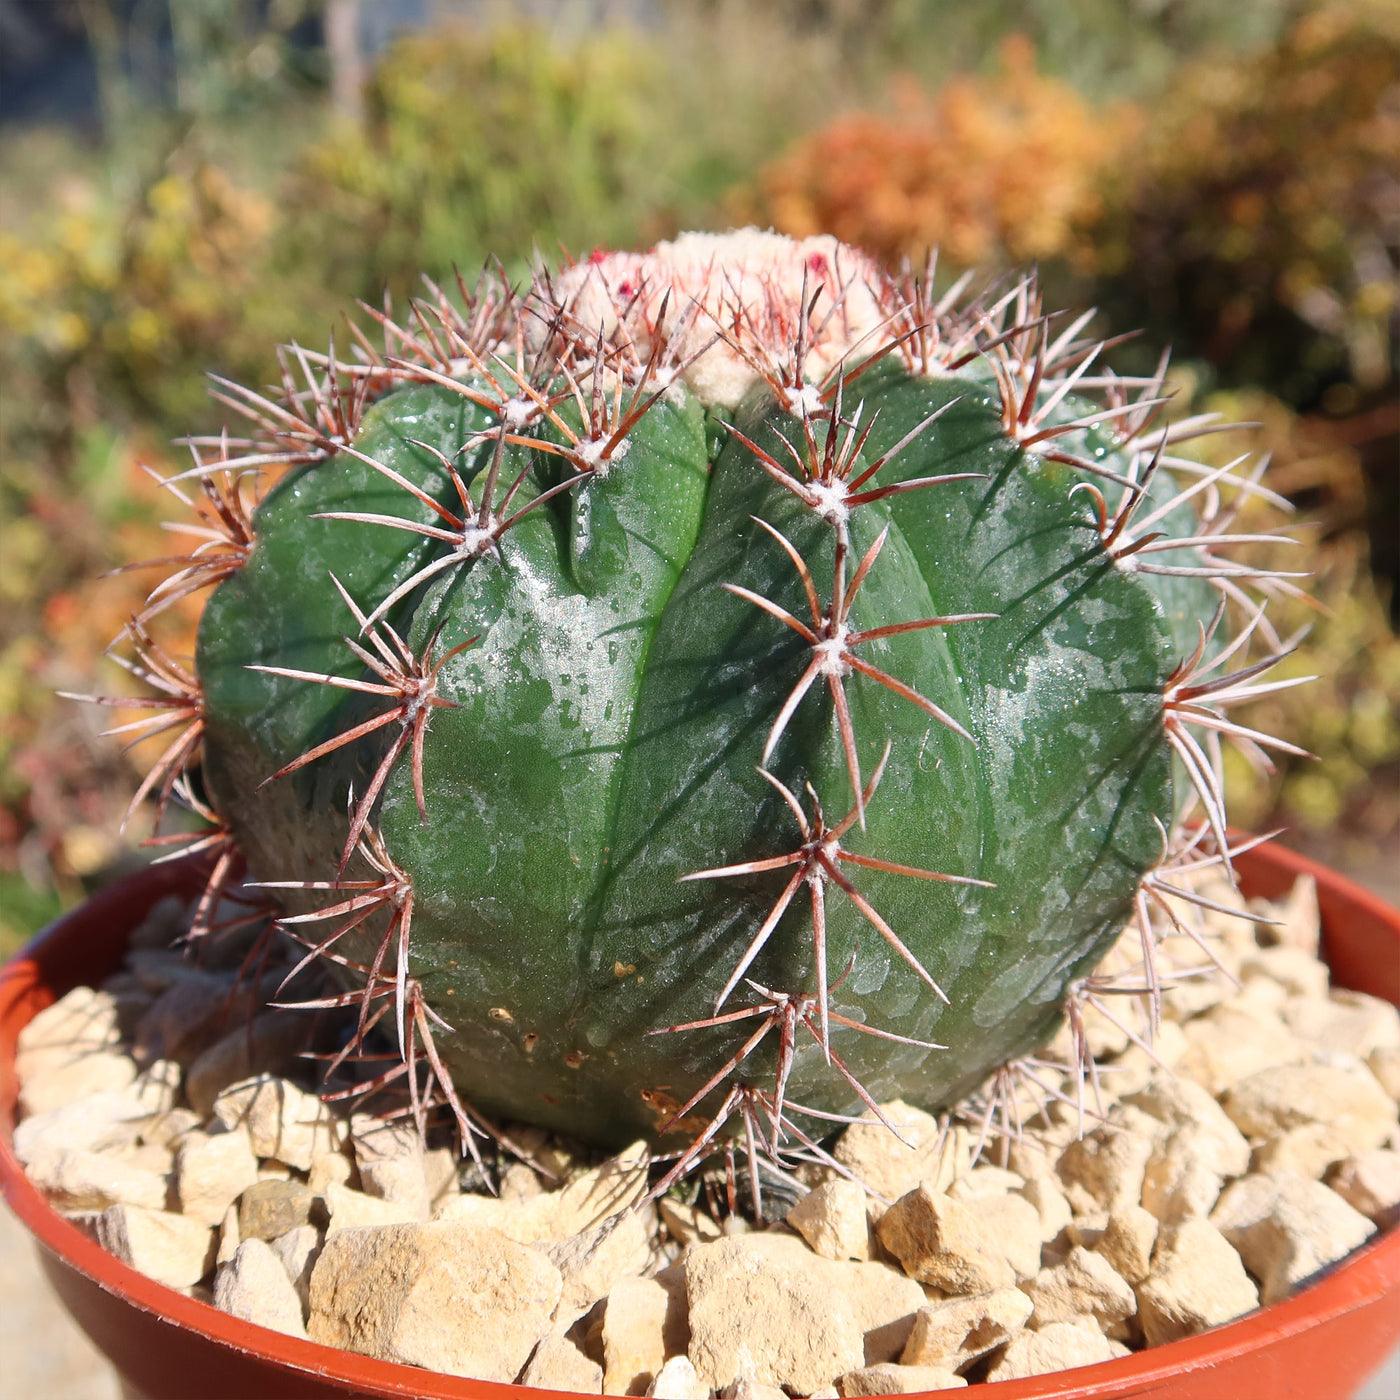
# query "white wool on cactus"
(734, 306)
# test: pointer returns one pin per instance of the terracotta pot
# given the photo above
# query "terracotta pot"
(1319, 1345)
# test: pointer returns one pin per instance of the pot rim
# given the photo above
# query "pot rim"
(1357, 1281)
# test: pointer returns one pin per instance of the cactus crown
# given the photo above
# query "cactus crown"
(720, 687)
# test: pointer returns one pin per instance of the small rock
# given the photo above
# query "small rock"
(282, 1120)
(1300, 923)
(985, 1181)
(1051, 1205)
(1086, 1230)
(1032, 1157)
(268, 1209)
(594, 1196)
(883, 1302)
(91, 1071)
(1085, 1283)
(1127, 1242)
(229, 1238)
(945, 1244)
(688, 1224)
(1197, 1281)
(747, 1388)
(188, 1017)
(583, 1204)
(644, 1322)
(391, 1163)
(1384, 1063)
(1232, 1042)
(1339, 1091)
(298, 1251)
(1138, 1065)
(158, 1086)
(328, 1168)
(171, 1249)
(166, 1129)
(1181, 1105)
(440, 1170)
(677, 1380)
(160, 1160)
(1307, 1150)
(1013, 1225)
(1180, 1181)
(91, 1124)
(253, 1285)
(1350, 1023)
(890, 1379)
(954, 1333)
(1296, 970)
(1290, 1231)
(80, 1023)
(1370, 1183)
(1104, 1169)
(353, 1210)
(832, 1219)
(273, 1038)
(212, 1172)
(766, 1319)
(557, 1364)
(591, 1263)
(890, 1168)
(1058, 1347)
(452, 1298)
(519, 1182)
(91, 1181)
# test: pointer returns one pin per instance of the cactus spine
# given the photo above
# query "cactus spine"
(722, 686)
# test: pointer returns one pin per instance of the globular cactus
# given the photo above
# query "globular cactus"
(718, 687)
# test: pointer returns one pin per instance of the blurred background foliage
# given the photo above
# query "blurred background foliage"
(184, 185)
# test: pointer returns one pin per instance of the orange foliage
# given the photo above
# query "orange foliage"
(999, 169)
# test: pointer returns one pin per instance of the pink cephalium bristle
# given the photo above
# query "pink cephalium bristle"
(224, 527)
(608, 416)
(832, 642)
(776, 346)
(818, 862)
(1194, 699)
(409, 681)
(636, 325)
(775, 338)
(179, 706)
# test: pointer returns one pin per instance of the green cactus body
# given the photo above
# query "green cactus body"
(616, 663)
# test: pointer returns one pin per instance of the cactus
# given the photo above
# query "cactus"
(721, 688)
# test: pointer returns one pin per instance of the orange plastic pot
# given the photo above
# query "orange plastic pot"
(1321, 1344)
